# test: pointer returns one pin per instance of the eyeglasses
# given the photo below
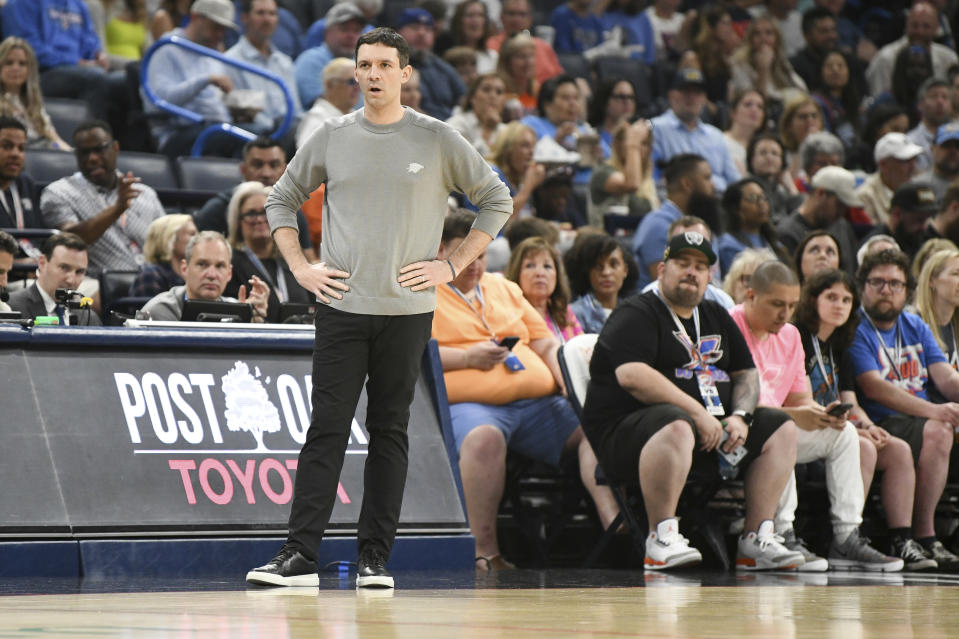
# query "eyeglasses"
(896, 286)
(100, 149)
(623, 96)
(755, 198)
(253, 215)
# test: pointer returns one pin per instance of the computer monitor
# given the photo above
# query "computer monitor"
(293, 312)
(209, 311)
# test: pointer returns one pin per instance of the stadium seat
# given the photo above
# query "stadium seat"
(114, 295)
(208, 174)
(47, 165)
(152, 168)
(575, 65)
(66, 114)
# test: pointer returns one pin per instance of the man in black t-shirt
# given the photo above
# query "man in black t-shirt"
(666, 368)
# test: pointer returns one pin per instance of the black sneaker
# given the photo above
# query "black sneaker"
(946, 561)
(371, 570)
(288, 568)
(913, 555)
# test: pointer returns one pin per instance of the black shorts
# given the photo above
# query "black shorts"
(906, 427)
(619, 455)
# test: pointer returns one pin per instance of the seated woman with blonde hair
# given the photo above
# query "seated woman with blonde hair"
(20, 96)
(626, 180)
(255, 253)
(164, 248)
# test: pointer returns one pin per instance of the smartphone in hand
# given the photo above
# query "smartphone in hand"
(508, 342)
(839, 410)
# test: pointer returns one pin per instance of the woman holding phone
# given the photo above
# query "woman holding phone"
(827, 326)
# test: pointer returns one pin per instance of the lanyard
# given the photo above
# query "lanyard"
(679, 324)
(834, 385)
(17, 214)
(279, 284)
(555, 329)
(481, 314)
(953, 347)
(882, 344)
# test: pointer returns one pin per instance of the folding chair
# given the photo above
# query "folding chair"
(574, 358)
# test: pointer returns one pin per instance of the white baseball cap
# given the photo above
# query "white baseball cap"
(220, 11)
(896, 145)
(838, 180)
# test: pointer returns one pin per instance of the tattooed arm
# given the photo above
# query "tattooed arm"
(745, 390)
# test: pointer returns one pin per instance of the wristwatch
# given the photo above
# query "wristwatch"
(746, 417)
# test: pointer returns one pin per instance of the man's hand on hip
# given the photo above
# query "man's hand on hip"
(321, 280)
(420, 276)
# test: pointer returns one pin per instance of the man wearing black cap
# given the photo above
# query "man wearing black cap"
(912, 204)
(679, 130)
(670, 373)
(440, 84)
(344, 25)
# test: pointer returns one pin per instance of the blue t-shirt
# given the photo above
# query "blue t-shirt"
(650, 239)
(916, 350)
(637, 32)
(728, 246)
(574, 33)
(672, 138)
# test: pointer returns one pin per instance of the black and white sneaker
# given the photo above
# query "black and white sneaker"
(371, 570)
(288, 568)
(913, 555)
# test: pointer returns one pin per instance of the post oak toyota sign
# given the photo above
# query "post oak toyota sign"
(156, 433)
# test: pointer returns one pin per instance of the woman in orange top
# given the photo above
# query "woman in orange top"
(517, 62)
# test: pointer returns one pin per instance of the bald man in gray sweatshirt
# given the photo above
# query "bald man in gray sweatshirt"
(388, 172)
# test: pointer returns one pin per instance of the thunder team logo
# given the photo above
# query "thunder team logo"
(702, 358)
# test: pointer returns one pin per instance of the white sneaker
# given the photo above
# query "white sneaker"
(666, 548)
(764, 550)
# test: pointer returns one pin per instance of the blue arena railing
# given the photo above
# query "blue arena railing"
(192, 116)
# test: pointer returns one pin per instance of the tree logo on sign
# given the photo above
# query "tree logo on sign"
(248, 407)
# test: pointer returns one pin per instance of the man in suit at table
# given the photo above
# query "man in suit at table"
(62, 264)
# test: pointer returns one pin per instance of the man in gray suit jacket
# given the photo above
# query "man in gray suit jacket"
(62, 265)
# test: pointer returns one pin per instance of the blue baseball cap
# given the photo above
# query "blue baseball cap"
(947, 132)
(414, 15)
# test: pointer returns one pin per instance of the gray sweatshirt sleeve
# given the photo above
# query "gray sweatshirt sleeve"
(304, 175)
(469, 173)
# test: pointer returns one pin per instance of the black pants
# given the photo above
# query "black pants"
(348, 348)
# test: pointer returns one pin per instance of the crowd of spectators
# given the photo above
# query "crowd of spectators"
(813, 149)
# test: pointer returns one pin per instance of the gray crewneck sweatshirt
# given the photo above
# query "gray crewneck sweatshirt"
(386, 192)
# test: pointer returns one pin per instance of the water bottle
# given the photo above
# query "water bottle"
(727, 470)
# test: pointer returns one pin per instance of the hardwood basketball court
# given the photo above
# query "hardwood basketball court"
(522, 603)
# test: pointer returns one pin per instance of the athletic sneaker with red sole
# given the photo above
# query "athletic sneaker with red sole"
(667, 549)
(764, 550)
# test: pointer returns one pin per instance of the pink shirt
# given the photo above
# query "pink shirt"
(779, 359)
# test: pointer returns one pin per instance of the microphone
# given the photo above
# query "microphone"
(86, 302)
(64, 294)
(4, 295)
